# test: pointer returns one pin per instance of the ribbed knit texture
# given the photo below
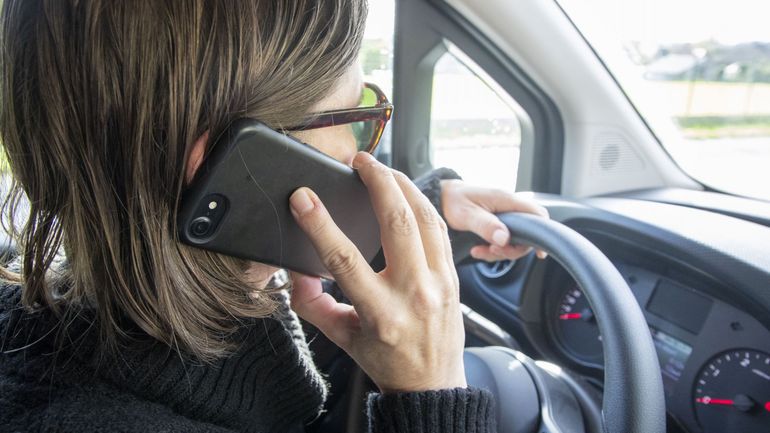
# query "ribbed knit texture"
(445, 411)
(430, 185)
(268, 385)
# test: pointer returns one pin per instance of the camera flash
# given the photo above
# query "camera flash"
(213, 205)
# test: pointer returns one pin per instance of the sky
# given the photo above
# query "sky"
(647, 21)
(672, 21)
(379, 23)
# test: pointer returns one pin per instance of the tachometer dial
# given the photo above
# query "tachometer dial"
(577, 327)
(732, 393)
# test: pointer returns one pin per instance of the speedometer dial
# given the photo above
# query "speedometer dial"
(732, 393)
(577, 328)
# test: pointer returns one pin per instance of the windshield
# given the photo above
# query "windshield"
(698, 71)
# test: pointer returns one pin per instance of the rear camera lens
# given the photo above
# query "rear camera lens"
(200, 226)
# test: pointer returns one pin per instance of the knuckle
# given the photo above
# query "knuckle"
(451, 285)
(427, 215)
(388, 330)
(340, 261)
(442, 225)
(455, 282)
(437, 296)
(428, 301)
(400, 221)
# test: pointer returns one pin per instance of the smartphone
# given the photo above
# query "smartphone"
(238, 202)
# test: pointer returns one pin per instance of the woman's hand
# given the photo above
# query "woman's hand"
(404, 327)
(472, 208)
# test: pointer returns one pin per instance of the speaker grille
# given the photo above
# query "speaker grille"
(611, 153)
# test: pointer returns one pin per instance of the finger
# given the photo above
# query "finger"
(491, 229)
(515, 251)
(481, 252)
(500, 201)
(399, 232)
(336, 320)
(497, 201)
(510, 252)
(336, 251)
(493, 253)
(489, 201)
(432, 228)
(488, 226)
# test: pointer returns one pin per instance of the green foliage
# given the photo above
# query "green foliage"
(375, 55)
(724, 126)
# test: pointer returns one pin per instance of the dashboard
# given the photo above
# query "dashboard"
(714, 358)
(709, 327)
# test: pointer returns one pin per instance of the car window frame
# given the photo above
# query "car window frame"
(422, 29)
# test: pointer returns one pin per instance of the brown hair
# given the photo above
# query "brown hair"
(100, 103)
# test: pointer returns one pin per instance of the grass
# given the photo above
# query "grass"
(704, 127)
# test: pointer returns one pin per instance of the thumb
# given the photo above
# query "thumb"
(336, 320)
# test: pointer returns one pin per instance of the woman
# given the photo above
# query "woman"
(110, 324)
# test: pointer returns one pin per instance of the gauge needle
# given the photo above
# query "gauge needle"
(586, 315)
(741, 402)
(761, 374)
(709, 400)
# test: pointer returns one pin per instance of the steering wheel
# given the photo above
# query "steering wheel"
(633, 400)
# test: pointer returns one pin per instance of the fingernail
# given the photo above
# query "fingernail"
(300, 201)
(542, 255)
(500, 237)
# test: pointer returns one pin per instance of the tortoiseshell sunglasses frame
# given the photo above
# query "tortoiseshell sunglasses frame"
(380, 113)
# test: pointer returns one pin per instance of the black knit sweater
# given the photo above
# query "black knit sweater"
(62, 382)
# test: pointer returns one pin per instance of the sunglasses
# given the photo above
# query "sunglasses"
(367, 121)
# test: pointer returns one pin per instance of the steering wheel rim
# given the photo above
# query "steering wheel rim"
(633, 400)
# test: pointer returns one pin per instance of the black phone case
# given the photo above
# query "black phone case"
(255, 169)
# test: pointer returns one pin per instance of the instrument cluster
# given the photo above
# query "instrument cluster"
(714, 358)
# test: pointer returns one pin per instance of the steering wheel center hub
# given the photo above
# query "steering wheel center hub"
(531, 398)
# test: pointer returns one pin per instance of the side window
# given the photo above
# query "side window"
(376, 58)
(475, 125)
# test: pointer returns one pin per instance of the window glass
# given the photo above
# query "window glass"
(376, 58)
(698, 71)
(474, 125)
